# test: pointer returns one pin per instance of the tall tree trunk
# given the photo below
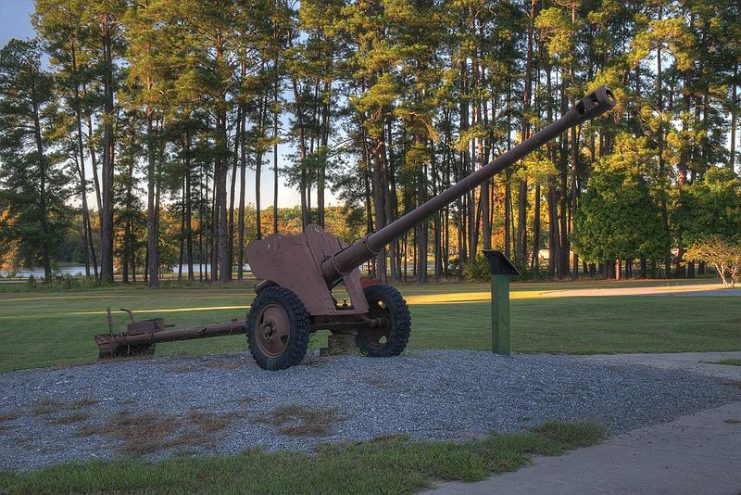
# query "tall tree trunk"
(422, 228)
(302, 152)
(480, 156)
(224, 263)
(275, 152)
(535, 258)
(378, 151)
(262, 115)
(662, 161)
(322, 172)
(106, 228)
(390, 200)
(521, 253)
(43, 214)
(521, 244)
(554, 237)
(129, 236)
(232, 189)
(152, 233)
(574, 195)
(188, 206)
(181, 251)
(215, 212)
(93, 160)
(202, 258)
(734, 118)
(242, 194)
(508, 227)
(87, 230)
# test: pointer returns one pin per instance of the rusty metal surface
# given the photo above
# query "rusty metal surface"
(273, 330)
(294, 262)
(114, 344)
(145, 326)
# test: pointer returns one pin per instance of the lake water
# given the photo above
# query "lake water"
(37, 272)
(206, 268)
(79, 271)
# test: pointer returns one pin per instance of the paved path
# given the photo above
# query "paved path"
(698, 453)
(694, 362)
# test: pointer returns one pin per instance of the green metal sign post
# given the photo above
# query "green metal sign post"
(501, 271)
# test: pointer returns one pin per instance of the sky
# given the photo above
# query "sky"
(15, 22)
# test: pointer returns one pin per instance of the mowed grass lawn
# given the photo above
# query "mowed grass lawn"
(57, 328)
(388, 465)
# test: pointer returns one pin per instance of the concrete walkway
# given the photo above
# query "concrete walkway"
(698, 453)
(694, 362)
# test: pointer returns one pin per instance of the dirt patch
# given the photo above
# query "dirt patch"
(301, 421)
(46, 407)
(76, 417)
(183, 369)
(734, 383)
(49, 406)
(8, 417)
(383, 382)
(60, 413)
(148, 432)
(377, 381)
(222, 363)
(227, 364)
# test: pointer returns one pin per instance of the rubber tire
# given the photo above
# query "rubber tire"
(298, 337)
(401, 327)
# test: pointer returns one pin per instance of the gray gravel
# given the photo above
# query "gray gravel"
(430, 394)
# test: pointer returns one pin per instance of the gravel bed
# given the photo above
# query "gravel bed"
(426, 394)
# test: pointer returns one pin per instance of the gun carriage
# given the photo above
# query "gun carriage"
(300, 272)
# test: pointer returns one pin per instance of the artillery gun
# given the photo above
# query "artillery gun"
(300, 272)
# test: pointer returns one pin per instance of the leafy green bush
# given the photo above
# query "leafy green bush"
(454, 267)
(476, 269)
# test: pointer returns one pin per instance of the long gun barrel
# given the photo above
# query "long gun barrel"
(590, 107)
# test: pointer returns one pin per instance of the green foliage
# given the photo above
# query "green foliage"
(710, 206)
(32, 184)
(477, 269)
(720, 252)
(389, 102)
(617, 217)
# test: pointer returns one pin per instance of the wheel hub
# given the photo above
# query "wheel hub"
(273, 330)
(379, 334)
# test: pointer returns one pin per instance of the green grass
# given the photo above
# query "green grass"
(590, 325)
(729, 361)
(55, 328)
(391, 465)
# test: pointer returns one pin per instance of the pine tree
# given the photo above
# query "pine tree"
(63, 29)
(32, 183)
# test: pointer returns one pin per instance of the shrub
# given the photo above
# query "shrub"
(724, 255)
(477, 269)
